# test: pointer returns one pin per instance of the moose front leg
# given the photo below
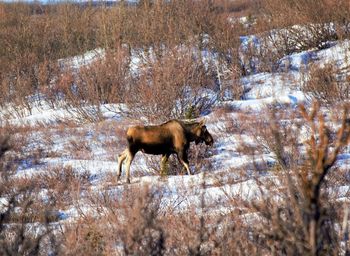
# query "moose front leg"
(183, 159)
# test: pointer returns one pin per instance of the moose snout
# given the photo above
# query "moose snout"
(209, 142)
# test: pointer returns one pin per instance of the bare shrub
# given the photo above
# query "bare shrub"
(171, 87)
(84, 237)
(24, 216)
(327, 84)
(316, 16)
(137, 221)
(128, 225)
(147, 236)
(63, 185)
(232, 83)
(295, 211)
(285, 27)
(237, 8)
(34, 36)
(106, 81)
(47, 81)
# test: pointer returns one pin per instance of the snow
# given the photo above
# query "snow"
(337, 54)
(77, 62)
(42, 113)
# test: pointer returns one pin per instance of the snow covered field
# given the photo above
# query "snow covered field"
(93, 148)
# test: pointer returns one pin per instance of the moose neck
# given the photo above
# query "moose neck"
(190, 131)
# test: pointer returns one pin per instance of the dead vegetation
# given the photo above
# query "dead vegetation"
(36, 36)
(284, 27)
(297, 208)
(329, 84)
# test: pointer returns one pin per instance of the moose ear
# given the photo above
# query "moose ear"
(202, 122)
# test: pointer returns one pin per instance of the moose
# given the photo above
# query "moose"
(172, 137)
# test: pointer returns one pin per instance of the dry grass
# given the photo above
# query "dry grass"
(297, 210)
(289, 26)
(329, 84)
(29, 63)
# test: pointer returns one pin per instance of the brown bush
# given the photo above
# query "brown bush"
(284, 27)
(327, 84)
(297, 213)
(170, 87)
(35, 36)
(126, 225)
(24, 216)
(106, 81)
(315, 18)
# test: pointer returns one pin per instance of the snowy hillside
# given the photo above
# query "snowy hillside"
(277, 175)
(93, 148)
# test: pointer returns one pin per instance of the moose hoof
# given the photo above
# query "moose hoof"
(128, 181)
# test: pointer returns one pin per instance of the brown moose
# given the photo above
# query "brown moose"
(172, 137)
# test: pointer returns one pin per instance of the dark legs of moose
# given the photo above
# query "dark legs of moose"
(183, 159)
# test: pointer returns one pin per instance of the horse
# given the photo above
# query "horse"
(172, 137)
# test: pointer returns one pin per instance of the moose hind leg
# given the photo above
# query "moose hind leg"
(129, 159)
(121, 159)
(164, 166)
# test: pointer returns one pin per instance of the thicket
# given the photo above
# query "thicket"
(297, 212)
(24, 215)
(284, 27)
(323, 20)
(34, 37)
(329, 84)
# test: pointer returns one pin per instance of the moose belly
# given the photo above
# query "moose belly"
(156, 149)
